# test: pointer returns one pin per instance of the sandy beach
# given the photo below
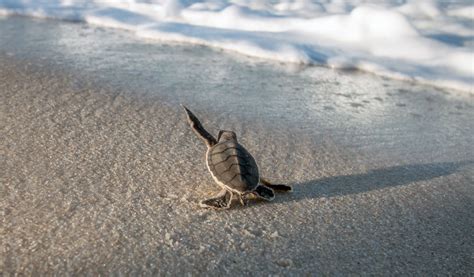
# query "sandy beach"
(101, 174)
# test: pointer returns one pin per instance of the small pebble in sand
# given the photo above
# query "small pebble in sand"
(284, 262)
(274, 235)
(247, 233)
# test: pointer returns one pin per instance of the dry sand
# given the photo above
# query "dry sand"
(98, 178)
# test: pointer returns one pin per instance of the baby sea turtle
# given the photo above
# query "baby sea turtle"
(232, 167)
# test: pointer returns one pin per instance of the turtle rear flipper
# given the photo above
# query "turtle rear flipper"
(279, 187)
(220, 201)
(264, 192)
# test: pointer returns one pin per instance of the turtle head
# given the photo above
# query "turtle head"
(226, 135)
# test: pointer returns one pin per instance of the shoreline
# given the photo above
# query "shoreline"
(345, 64)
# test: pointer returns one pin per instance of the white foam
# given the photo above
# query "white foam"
(426, 41)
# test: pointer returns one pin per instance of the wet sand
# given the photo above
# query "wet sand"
(101, 174)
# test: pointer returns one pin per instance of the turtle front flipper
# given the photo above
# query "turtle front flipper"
(264, 192)
(198, 129)
(220, 201)
(279, 187)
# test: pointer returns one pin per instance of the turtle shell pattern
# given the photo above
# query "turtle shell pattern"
(231, 164)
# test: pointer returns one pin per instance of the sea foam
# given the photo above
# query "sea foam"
(426, 41)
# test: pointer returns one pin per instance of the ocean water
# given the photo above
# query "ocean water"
(429, 41)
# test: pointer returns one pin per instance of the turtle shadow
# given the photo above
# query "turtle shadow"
(375, 179)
